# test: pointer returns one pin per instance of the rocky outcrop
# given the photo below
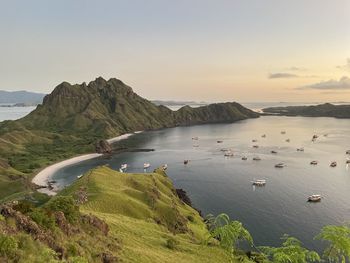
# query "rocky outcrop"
(183, 196)
(96, 223)
(102, 146)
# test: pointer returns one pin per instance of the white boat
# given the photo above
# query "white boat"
(164, 167)
(314, 162)
(257, 158)
(314, 198)
(146, 165)
(80, 176)
(300, 149)
(124, 166)
(228, 154)
(261, 182)
(280, 165)
(333, 164)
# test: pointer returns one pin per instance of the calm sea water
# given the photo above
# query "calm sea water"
(14, 113)
(217, 184)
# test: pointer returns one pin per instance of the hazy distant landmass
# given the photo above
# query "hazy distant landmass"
(321, 110)
(21, 98)
(177, 103)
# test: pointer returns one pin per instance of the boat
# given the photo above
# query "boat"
(228, 154)
(257, 158)
(314, 162)
(273, 152)
(124, 166)
(348, 152)
(244, 158)
(195, 138)
(254, 140)
(146, 165)
(164, 167)
(255, 146)
(280, 165)
(186, 161)
(315, 136)
(283, 132)
(80, 176)
(300, 149)
(219, 141)
(287, 140)
(347, 161)
(314, 198)
(333, 164)
(263, 136)
(260, 182)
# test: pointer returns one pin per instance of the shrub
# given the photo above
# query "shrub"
(43, 218)
(8, 246)
(172, 243)
(24, 206)
(77, 260)
(190, 218)
(66, 205)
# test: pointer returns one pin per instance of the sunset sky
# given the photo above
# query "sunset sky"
(248, 50)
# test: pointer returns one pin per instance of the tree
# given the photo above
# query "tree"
(291, 251)
(338, 238)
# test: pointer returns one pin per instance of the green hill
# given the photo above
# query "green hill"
(147, 222)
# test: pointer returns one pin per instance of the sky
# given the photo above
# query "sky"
(218, 50)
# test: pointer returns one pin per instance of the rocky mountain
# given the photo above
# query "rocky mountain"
(322, 110)
(21, 97)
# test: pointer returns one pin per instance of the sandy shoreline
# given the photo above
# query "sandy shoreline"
(42, 178)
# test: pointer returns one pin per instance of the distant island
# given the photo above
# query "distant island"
(321, 110)
(178, 103)
(21, 98)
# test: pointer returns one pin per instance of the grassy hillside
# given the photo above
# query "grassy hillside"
(146, 222)
(74, 117)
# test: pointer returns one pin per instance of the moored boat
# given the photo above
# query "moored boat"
(195, 138)
(256, 158)
(314, 198)
(124, 166)
(333, 164)
(287, 140)
(280, 165)
(273, 152)
(186, 161)
(219, 141)
(164, 167)
(300, 149)
(80, 176)
(260, 182)
(255, 146)
(263, 136)
(283, 132)
(146, 165)
(244, 158)
(228, 154)
(347, 161)
(314, 162)
(348, 152)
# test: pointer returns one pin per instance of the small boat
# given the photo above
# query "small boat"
(348, 152)
(273, 152)
(300, 149)
(263, 136)
(287, 140)
(254, 140)
(257, 158)
(228, 154)
(164, 167)
(186, 161)
(146, 165)
(124, 166)
(80, 176)
(261, 182)
(195, 138)
(314, 198)
(333, 164)
(314, 162)
(315, 136)
(219, 141)
(244, 158)
(283, 132)
(280, 165)
(255, 146)
(347, 161)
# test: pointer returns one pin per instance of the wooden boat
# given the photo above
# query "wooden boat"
(195, 138)
(146, 165)
(283, 132)
(300, 149)
(263, 136)
(261, 182)
(273, 152)
(244, 158)
(257, 158)
(347, 161)
(228, 154)
(254, 140)
(186, 161)
(348, 152)
(255, 146)
(219, 141)
(314, 198)
(333, 164)
(314, 162)
(315, 136)
(280, 165)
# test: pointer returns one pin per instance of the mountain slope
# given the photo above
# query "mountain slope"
(73, 117)
(322, 110)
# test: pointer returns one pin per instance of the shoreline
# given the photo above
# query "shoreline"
(42, 178)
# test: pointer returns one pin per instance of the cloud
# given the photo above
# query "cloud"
(293, 68)
(341, 84)
(346, 66)
(282, 75)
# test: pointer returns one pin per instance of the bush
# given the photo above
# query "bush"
(172, 243)
(24, 207)
(8, 246)
(43, 218)
(77, 260)
(190, 218)
(66, 205)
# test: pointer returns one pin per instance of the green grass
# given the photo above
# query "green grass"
(143, 212)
